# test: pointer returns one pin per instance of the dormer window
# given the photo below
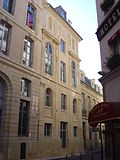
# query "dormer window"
(63, 14)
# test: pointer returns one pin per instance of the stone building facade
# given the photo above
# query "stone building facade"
(40, 88)
(39, 82)
(91, 94)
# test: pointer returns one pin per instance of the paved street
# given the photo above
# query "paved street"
(86, 156)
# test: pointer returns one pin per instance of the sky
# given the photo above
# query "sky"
(82, 14)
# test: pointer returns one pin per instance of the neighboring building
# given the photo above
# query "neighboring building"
(40, 91)
(91, 94)
(108, 34)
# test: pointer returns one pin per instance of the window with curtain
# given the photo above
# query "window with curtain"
(30, 22)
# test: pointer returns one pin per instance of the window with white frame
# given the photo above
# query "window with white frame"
(25, 87)
(63, 71)
(4, 37)
(63, 101)
(62, 46)
(30, 21)
(73, 74)
(48, 59)
(48, 129)
(8, 5)
(27, 54)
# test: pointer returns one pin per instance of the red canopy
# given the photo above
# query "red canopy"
(103, 112)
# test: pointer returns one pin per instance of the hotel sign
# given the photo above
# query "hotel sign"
(109, 22)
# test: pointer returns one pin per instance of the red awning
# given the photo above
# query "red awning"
(115, 36)
(103, 112)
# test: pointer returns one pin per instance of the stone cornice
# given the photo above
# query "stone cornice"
(50, 36)
(110, 76)
(74, 56)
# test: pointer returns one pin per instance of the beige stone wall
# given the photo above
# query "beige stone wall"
(12, 71)
(94, 95)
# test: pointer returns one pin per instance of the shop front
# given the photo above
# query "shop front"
(109, 114)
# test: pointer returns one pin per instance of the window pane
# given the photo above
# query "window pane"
(27, 54)
(47, 129)
(62, 46)
(25, 87)
(30, 17)
(23, 118)
(8, 5)
(23, 151)
(48, 59)
(4, 34)
(73, 74)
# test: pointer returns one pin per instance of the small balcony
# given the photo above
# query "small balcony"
(113, 62)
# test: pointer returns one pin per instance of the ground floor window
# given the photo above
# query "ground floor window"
(63, 134)
(48, 129)
(23, 151)
(23, 118)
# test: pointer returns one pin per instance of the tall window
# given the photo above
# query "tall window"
(93, 102)
(75, 131)
(83, 101)
(48, 97)
(8, 5)
(48, 59)
(30, 22)
(63, 71)
(74, 105)
(89, 104)
(4, 37)
(23, 151)
(23, 118)
(1, 102)
(62, 46)
(48, 129)
(73, 74)
(63, 101)
(63, 134)
(25, 87)
(27, 54)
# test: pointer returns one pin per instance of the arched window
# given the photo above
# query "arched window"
(1, 101)
(48, 97)
(48, 59)
(73, 74)
(74, 105)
